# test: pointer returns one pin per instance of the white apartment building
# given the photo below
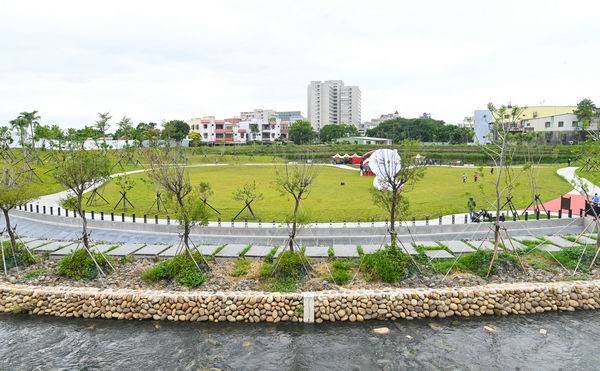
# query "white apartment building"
(238, 131)
(331, 102)
(259, 114)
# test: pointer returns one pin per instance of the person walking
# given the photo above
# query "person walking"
(569, 162)
(471, 204)
(475, 177)
(492, 171)
(464, 178)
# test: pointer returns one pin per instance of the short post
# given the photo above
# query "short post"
(580, 213)
(273, 223)
(219, 222)
(440, 220)
(372, 221)
(30, 208)
(466, 220)
(37, 209)
(44, 209)
(570, 213)
(246, 222)
(537, 215)
(101, 215)
(330, 223)
(112, 217)
(344, 223)
(414, 221)
(548, 213)
(92, 214)
(232, 225)
(122, 217)
(358, 222)
(155, 219)
(452, 218)
(133, 217)
(514, 217)
(145, 218)
(168, 220)
(386, 222)
(259, 223)
(560, 214)
(58, 210)
(526, 215)
(51, 211)
(427, 220)
(66, 212)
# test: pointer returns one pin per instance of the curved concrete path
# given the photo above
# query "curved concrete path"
(578, 182)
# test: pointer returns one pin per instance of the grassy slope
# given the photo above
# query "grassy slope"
(440, 192)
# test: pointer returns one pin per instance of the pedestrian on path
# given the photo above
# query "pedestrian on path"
(475, 177)
(472, 205)
(569, 162)
(464, 178)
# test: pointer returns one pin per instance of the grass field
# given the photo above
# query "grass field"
(440, 192)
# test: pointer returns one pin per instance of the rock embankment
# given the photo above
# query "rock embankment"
(319, 307)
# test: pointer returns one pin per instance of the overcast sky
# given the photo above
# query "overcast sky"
(177, 60)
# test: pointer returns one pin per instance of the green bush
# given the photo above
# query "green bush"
(241, 268)
(20, 256)
(389, 264)
(181, 268)
(266, 270)
(290, 265)
(341, 276)
(569, 257)
(269, 257)
(78, 264)
(360, 250)
(330, 253)
(36, 273)
(478, 262)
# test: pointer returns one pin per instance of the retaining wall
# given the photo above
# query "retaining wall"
(319, 307)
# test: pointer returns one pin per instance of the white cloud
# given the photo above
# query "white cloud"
(164, 60)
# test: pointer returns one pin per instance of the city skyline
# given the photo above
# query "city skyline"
(70, 61)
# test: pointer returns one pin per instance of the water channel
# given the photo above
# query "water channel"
(35, 343)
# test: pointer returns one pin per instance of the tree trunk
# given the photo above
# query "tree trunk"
(86, 241)
(11, 232)
(393, 219)
(186, 234)
(293, 233)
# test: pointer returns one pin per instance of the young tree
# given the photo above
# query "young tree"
(247, 194)
(14, 192)
(79, 170)
(396, 173)
(126, 127)
(185, 202)
(102, 125)
(301, 132)
(295, 180)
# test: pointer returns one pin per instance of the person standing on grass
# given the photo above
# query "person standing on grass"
(475, 177)
(464, 178)
(492, 171)
(472, 205)
(569, 162)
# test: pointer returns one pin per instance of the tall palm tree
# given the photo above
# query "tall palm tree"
(33, 121)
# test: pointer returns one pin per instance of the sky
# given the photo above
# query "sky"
(164, 60)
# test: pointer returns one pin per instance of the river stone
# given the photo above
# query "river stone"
(457, 247)
(381, 330)
(438, 254)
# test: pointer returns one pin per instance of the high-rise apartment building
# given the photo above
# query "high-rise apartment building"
(331, 102)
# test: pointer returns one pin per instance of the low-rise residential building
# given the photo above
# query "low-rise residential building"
(290, 116)
(237, 131)
(367, 125)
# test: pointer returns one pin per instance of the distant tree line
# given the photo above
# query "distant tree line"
(421, 129)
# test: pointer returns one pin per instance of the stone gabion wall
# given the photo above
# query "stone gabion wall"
(500, 300)
(151, 305)
(319, 307)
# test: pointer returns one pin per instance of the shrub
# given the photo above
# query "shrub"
(569, 257)
(241, 268)
(360, 250)
(330, 253)
(340, 276)
(478, 262)
(265, 270)
(181, 268)
(269, 257)
(389, 264)
(78, 264)
(20, 256)
(290, 265)
(36, 273)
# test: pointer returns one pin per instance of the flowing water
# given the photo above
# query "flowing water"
(34, 343)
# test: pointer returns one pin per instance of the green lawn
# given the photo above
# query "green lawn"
(440, 192)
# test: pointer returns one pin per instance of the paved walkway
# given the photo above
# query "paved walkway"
(578, 182)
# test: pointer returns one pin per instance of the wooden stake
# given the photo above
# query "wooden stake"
(514, 249)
